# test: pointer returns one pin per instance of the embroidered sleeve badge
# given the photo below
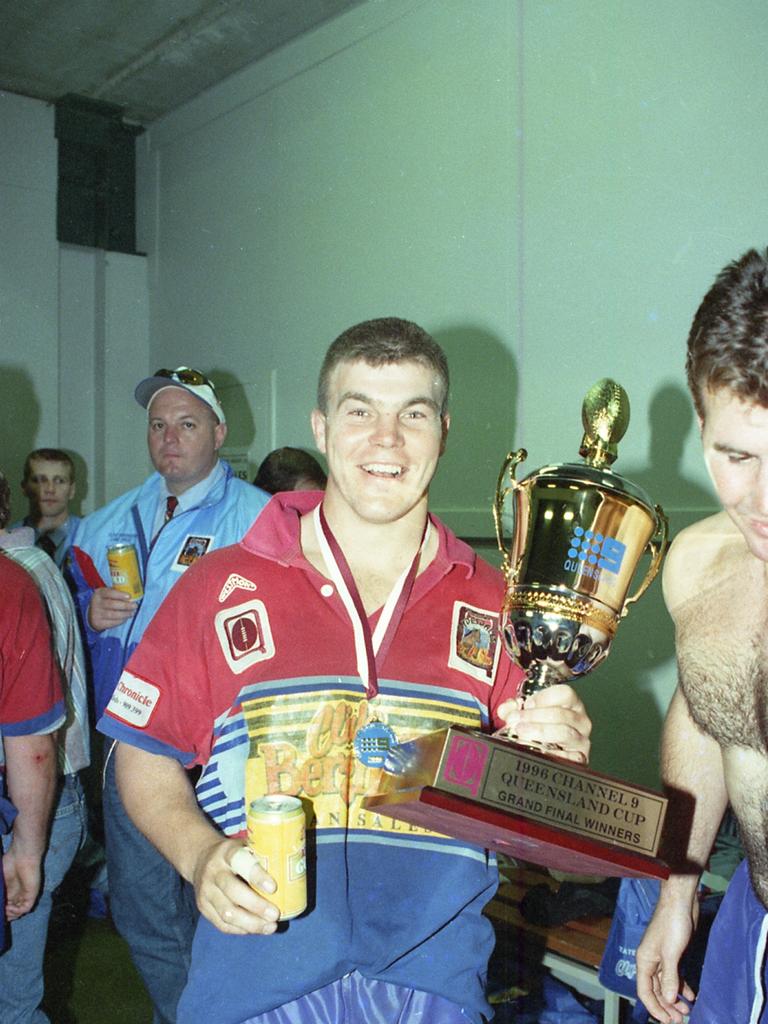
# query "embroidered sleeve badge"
(235, 582)
(244, 635)
(474, 641)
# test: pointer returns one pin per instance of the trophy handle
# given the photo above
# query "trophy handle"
(512, 460)
(658, 548)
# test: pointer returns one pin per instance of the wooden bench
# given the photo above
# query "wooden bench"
(571, 951)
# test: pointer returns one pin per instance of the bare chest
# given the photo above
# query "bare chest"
(722, 649)
(374, 589)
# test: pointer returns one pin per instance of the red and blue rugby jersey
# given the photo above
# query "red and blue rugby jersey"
(249, 669)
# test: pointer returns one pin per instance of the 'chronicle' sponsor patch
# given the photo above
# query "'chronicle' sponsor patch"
(474, 641)
(245, 634)
(134, 700)
(193, 546)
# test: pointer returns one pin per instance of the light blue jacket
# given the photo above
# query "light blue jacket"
(221, 518)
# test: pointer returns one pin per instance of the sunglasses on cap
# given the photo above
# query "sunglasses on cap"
(185, 376)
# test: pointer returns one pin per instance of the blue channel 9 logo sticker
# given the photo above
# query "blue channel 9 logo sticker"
(593, 553)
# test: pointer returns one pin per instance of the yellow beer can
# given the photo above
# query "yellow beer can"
(277, 838)
(124, 570)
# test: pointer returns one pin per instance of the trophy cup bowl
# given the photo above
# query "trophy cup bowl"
(578, 534)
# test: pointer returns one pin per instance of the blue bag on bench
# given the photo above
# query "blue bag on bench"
(634, 909)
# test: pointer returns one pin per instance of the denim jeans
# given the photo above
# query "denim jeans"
(21, 966)
(152, 906)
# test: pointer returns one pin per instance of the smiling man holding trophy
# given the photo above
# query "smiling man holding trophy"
(345, 624)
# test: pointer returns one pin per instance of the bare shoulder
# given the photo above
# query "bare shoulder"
(701, 553)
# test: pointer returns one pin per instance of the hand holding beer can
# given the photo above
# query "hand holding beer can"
(124, 570)
(277, 839)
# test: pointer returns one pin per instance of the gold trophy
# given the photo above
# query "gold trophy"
(578, 533)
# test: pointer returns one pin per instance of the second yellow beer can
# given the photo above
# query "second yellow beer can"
(277, 838)
(124, 570)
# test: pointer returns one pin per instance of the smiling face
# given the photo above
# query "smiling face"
(49, 488)
(734, 434)
(382, 435)
(183, 438)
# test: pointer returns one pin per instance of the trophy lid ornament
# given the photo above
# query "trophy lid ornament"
(605, 415)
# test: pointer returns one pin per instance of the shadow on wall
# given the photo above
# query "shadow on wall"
(240, 422)
(241, 427)
(19, 423)
(483, 408)
(82, 482)
(672, 425)
(628, 694)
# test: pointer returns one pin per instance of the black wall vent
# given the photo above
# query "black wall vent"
(96, 197)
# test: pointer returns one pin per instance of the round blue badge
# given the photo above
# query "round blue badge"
(373, 742)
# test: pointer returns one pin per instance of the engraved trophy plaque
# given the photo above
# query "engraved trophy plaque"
(578, 533)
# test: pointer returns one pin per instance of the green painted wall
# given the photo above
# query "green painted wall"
(548, 187)
(73, 327)
(341, 179)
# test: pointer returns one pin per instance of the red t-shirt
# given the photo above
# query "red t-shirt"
(31, 698)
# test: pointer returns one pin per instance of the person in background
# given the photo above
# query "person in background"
(715, 738)
(48, 484)
(190, 505)
(288, 664)
(21, 968)
(290, 469)
(31, 709)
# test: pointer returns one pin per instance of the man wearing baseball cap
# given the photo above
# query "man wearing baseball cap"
(192, 504)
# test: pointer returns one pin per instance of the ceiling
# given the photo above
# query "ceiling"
(146, 56)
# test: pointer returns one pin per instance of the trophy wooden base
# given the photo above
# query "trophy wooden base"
(528, 805)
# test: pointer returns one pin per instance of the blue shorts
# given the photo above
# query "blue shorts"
(354, 999)
(733, 980)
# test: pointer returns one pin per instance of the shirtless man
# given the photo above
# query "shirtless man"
(715, 741)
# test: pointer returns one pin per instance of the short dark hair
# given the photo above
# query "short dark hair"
(49, 455)
(380, 342)
(728, 341)
(5, 501)
(283, 468)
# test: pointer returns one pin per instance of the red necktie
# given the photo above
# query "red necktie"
(170, 507)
